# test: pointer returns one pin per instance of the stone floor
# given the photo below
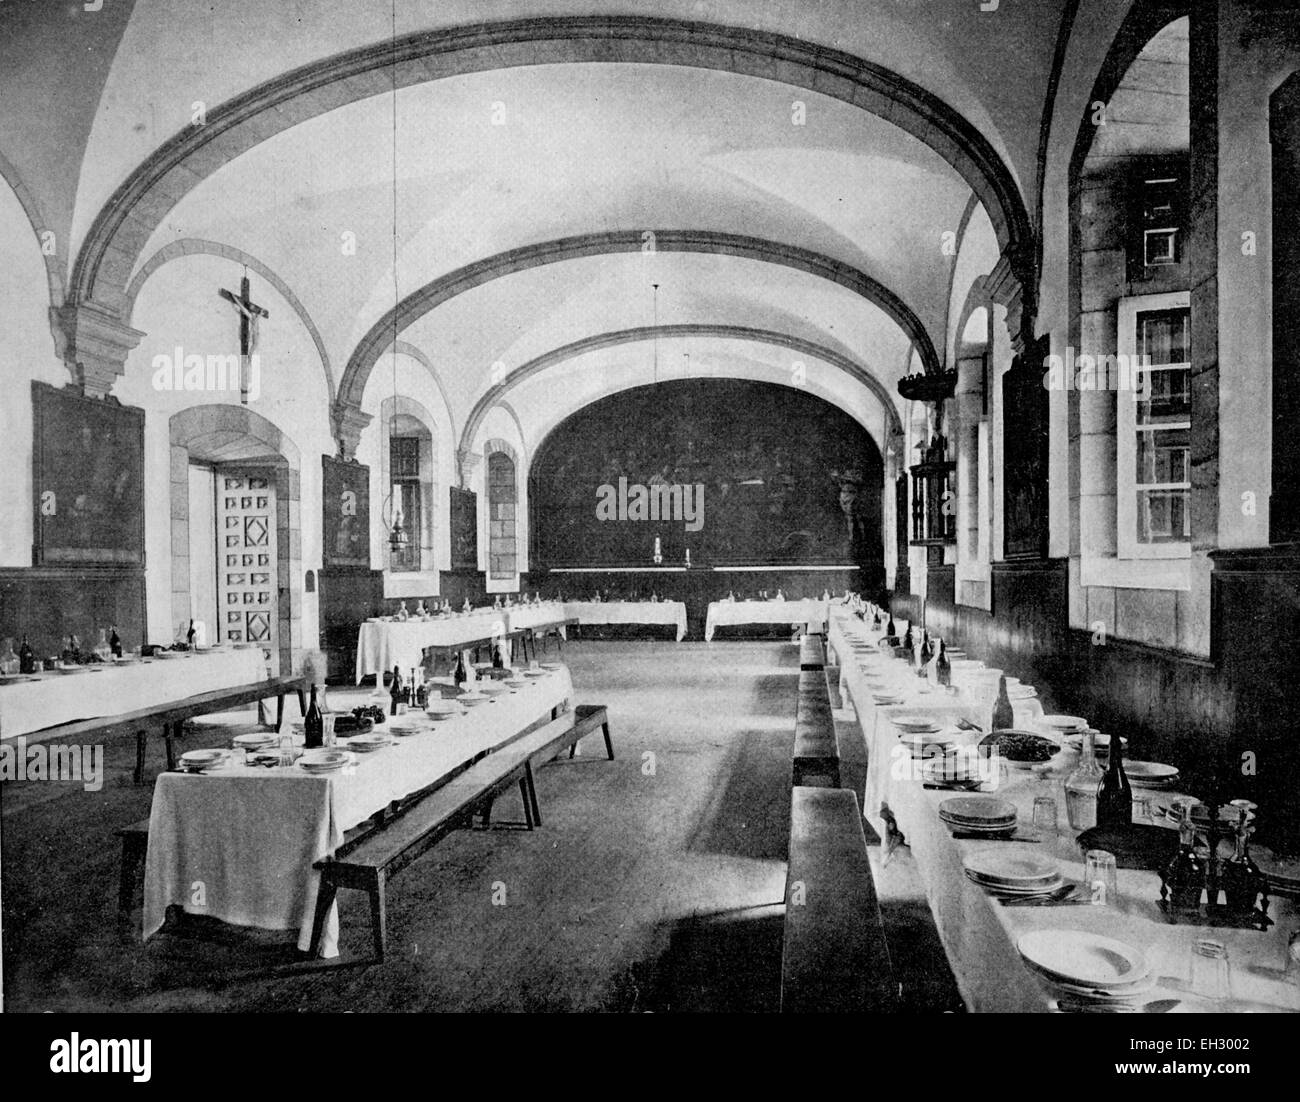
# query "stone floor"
(655, 884)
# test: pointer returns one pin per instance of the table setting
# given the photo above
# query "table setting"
(248, 819)
(1040, 909)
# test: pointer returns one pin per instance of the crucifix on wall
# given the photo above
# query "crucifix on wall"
(249, 312)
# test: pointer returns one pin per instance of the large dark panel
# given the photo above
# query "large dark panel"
(787, 478)
(50, 603)
(345, 509)
(347, 597)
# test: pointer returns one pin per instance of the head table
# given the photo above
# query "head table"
(37, 701)
(238, 842)
(671, 613)
(730, 613)
(979, 934)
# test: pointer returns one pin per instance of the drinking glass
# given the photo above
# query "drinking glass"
(1142, 812)
(1211, 972)
(1045, 813)
(286, 749)
(1099, 877)
(327, 724)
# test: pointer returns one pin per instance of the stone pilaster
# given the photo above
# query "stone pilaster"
(94, 343)
(349, 422)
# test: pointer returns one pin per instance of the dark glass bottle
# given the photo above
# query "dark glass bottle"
(943, 668)
(1115, 795)
(1004, 716)
(459, 675)
(189, 636)
(875, 619)
(1184, 877)
(909, 641)
(115, 643)
(26, 659)
(412, 691)
(1240, 877)
(498, 658)
(927, 655)
(395, 690)
(314, 724)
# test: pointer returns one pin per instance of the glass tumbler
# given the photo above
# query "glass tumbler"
(1099, 877)
(1045, 813)
(1210, 972)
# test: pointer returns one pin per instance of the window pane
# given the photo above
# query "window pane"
(1162, 455)
(1170, 397)
(404, 456)
(1162, 516)
(1162, 335)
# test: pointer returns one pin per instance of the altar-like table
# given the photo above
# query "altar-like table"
(37, 701)
(670, 613)
(731, 613)
(980, 934)
(238, 843)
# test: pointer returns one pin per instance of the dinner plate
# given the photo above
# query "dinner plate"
(534, 673)
(256, 740)
(493, 688)
(1013, 870)
(366, 744)
(1082, 958)
(202, 759)
(1063, 723)
(978, 809)
(915, 723)
(1150, 773)
(551, 666)
(516, 682)
(472, 699)
(325, 760)
(1018, 891)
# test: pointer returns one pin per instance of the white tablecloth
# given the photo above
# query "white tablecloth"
(239, 844)
(978, 933)
(672, 613)
(384, 644)
(530, 616)
(723, 613)
(104, 690)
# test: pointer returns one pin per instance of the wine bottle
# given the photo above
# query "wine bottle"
(927, 655)
(314, 724)
(943, 668)
(26, 659)
(411, 690)
(1184, 876)
(459, 675)
(891, 632)
(395, 690)
(1115, 795)
(1004, 716)
(498, 658)
(189, 636)
(909, 641)
(114, 643)
(1242, 881)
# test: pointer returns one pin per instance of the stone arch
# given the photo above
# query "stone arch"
(125, 223)
(406, 348)
(195, 246)
(54, 270)
(227, 434)
(566, 352)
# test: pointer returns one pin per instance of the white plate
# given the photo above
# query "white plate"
(1063, 723)
(202, 759)
(915, 723)
(256, 741)
(1150, 772)
(472, 699)
(978, 809)
(325, 760)
(368, 742)
(1012, 870)
(534, 673)
(1089, 960)
(493, 688)
(551, 666)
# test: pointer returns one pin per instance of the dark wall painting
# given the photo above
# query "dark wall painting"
(736, 472)
(345, 497)
(88, 479)
(464, 529)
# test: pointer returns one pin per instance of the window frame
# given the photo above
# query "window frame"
(1127, 485)
(415, 533)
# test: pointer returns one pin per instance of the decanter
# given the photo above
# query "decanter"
(1184, 878)
(402, 614)
(1081, 786)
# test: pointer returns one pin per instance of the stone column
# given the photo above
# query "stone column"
(349, 422)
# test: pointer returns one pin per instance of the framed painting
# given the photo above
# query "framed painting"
(88, 479)
(345, 494)
(464, 529)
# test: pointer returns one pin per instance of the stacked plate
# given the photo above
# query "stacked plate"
(1088, 972)
(440, 709)
(1063, 725)
(492, 688)
(928, 744)
(1151, 774)
(472, 698)
(534, 673)
(950, 769)
(1018, 690)
(255, 740)
(195, 760)
(552, 666)
(1014, 875)
(982, 815)
(884, 697)
(325, 761)
(516, 682)
(915, 725)
(369, 743)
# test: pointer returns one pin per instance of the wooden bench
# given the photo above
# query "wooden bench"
(816, 751)
(812, 653)
(171, 716)
(834, 958)
(552, 629)
(368, 863)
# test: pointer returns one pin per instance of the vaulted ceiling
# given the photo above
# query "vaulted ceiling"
(805, 164)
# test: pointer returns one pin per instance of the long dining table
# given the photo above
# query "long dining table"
(809, 611)
(979, 934)
(238, 842)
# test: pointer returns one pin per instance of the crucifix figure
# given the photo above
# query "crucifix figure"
(249, 312)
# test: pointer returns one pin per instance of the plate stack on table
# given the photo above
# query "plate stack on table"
(1015, 876)
(986, 816)
(1087, 972)
(1151, 774)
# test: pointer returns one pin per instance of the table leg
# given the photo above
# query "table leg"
(532, 792)
(279, 712)
(140, 737)
(302, 703)
(170, 730)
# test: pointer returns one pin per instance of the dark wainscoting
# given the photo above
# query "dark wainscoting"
(1203, 716)
(49, 603)
(347, 596)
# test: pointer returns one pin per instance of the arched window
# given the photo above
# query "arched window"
(409, 467)
(503, 501)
